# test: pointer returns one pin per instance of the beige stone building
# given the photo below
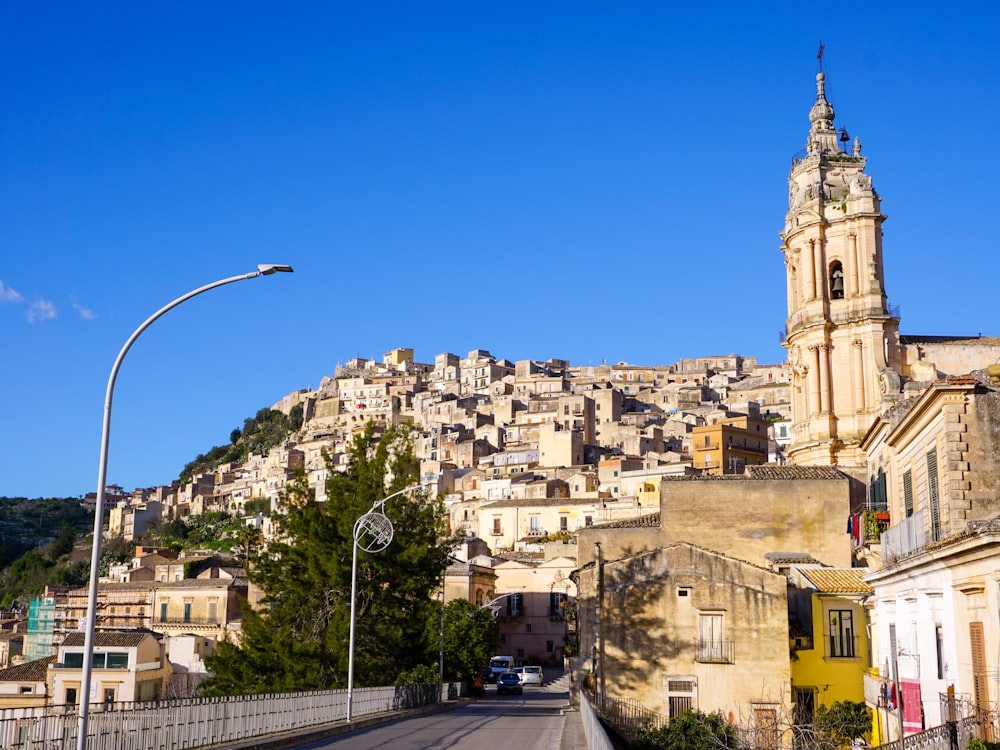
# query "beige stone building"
(767, 509)
(128, 667)
(682, 627)
(532, 617)
(934, 461)
(25, 685)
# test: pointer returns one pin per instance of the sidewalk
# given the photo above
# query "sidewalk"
(573, 737)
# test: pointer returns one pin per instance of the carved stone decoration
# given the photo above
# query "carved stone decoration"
(888, 381)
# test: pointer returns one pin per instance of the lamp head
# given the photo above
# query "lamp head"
(266, 269)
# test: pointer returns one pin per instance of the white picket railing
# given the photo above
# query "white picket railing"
(203, 722)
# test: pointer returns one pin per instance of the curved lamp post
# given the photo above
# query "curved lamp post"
(373, 533)
(264, 269)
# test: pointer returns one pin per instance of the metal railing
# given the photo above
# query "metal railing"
(716, 652)
(904, 538)
(626, 715)
(202, 722)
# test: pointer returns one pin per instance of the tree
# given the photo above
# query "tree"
(298, 639)
(844, 721)
(470, 638)
(691, 730)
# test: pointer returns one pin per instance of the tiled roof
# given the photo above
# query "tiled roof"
(112, 638)
(538, 502)
(32, 671)
(766, 471)
(837, 580)
(774, 471)
(651, 520)
(961, 380)
(919, 339)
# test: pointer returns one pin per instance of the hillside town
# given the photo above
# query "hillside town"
(760, 539)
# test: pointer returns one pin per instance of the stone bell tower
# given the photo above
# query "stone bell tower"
(842, 338)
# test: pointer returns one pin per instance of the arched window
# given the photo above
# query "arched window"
(836, 281)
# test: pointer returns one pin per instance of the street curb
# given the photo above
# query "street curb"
(325, 731)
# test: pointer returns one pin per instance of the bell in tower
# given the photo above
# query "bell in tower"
(837, 282)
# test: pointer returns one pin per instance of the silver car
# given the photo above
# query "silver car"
(531, 675)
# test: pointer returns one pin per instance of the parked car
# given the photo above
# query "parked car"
(508, 682)
(531, 675)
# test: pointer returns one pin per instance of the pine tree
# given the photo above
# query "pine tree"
(298, 639)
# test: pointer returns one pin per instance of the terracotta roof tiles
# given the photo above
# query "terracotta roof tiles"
(837, 580)
(32, 671)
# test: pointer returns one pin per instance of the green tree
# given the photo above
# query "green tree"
(844, 721)
(298, 640)
(470, 638)
(692, 730)
(63, 544)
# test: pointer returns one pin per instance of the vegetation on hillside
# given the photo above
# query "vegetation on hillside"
(37, 539)
(298, 640)
(262, 432)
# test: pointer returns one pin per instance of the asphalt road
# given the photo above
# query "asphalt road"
(531, 721)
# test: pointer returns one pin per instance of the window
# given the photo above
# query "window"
(908, 492)
(550, 646)
(117, 661)
(680, 695)
(841, 632)
(939, 642)
(163, 611)
(877, 499)
(711, 647)
(588, 520)
(212, 611)
(187, 611)
(503, 638)
(933, 499)
(534, 523)
(563, 523)
(73, 660)
(515, 605)
(557, 603)
(836, 281)
(24, 689)
(527, 628)
(520, 653)
(109, 695)
(496, 526)
(805, 705)
(71, 696)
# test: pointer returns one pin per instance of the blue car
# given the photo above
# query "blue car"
(509, 682)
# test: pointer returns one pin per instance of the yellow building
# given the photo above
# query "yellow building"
(828, 637)
(730, 444)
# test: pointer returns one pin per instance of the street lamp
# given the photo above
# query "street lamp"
(376, 529)
(263, 269)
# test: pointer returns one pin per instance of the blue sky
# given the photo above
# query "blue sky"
(558, 179)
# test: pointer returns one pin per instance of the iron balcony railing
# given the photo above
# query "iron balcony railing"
(715, 652)
(904, 538)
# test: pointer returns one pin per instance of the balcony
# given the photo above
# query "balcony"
(904, 538)
(715, 652)
(206, 621)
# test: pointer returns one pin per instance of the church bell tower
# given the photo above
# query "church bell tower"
(841, 336)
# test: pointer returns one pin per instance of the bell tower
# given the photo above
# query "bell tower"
(841, 336)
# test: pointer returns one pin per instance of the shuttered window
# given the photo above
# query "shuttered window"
(908, 493)
(934, 499)
(980, 681)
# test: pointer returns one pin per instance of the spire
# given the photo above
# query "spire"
(822, 134)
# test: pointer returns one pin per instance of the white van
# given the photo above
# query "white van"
(499, 665)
